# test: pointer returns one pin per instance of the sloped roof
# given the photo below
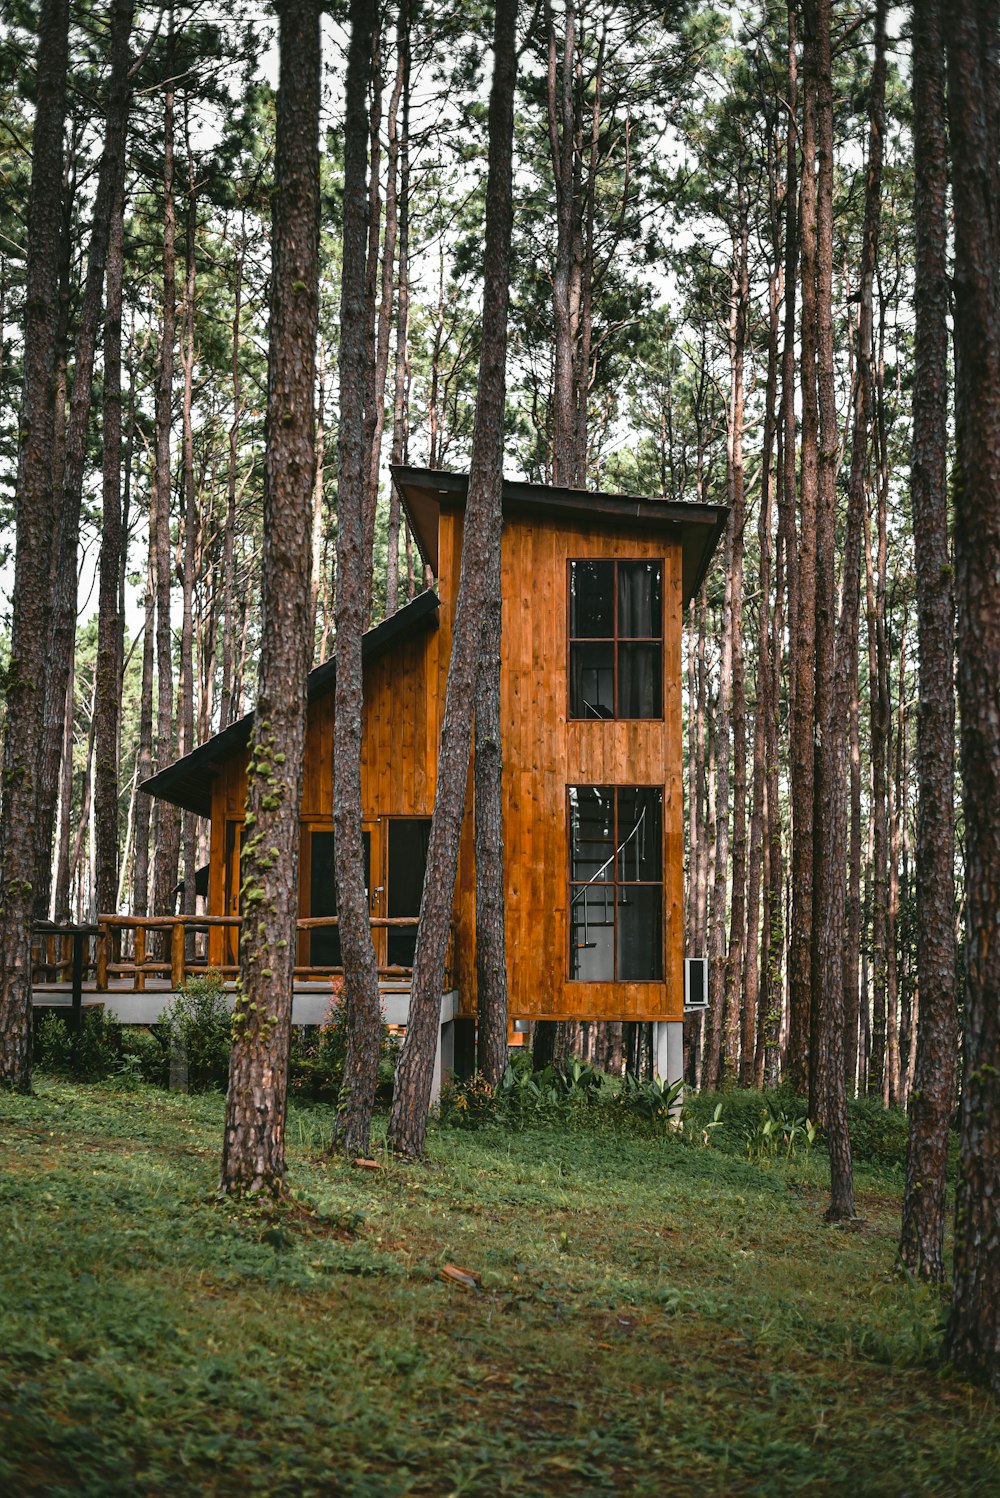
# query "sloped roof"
(188, 781)
(697, 526)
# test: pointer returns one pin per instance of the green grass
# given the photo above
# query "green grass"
(655, 1318)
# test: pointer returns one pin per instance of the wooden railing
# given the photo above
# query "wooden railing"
(65, 954)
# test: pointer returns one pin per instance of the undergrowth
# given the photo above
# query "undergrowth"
(649, 1314)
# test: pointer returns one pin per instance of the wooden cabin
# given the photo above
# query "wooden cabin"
(594, 589)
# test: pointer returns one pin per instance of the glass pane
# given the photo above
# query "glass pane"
(640, 833)
(640, 600)
(591, 820)
(592, 681)
(640, 932)
(592, 933)
(408, 839)
(640, 681)
(591, 600)
(324, 944)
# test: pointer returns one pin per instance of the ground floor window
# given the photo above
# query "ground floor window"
(616, 883)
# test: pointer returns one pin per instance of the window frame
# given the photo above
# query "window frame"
(615, 640)
(616, 883)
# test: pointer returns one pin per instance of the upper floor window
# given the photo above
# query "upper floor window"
(616, 639)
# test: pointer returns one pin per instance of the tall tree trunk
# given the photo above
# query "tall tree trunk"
(803, 642)
(185, 736)
(35, 515)
(400, 152)
(108, 685)
(63, 634)
(973, 1338)
(738, 899)
(253, 1151)
(491, 943)
(826, 1082)
(166, 818)
(226, 714)
(921, 1245)
(411, 1097)
(566, 273)
(353, 1122)
(846, 682)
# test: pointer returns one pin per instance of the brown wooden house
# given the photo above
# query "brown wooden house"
(594, 591)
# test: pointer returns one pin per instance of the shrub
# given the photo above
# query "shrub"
(199, 1024)
(98, 1053)
(318, 1055)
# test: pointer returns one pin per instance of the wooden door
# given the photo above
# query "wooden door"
(320, 947)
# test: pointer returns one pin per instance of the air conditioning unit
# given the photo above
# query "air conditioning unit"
(695, 984)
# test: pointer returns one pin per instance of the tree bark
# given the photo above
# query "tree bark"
(63, 633)
(803, 644)
(973, 1337)
(353, 1122)
(253, 1151)
(408, 1121)
(846, 681)
(108, 685)
(399, 152)
(491, 943)
(827, 1095)
(932, 1100)
(166, 818)
(24, 686)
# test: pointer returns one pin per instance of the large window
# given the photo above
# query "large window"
(616, 639)
(616, 883)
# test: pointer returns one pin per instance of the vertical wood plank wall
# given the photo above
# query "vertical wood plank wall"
(544, 752)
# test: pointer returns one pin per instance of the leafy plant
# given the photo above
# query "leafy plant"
(653, 1098)
(776, 1134)
(96, 1053)
(319, 1055)
(200, 1027)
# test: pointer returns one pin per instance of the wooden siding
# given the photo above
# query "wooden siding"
(544, 752)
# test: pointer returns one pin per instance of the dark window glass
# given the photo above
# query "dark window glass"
(408, 839)
(324, 943)
(616, 883)
(640, 605)
(616, 639)
(640, 834)
(591, 600)
(640, 932)
(592, 673)
(640, 681)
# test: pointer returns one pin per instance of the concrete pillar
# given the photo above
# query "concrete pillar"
(668, 1050)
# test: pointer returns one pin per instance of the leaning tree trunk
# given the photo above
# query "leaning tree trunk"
(35, 516)
(408, 1122)
(353, 1122)
(973, 1337)
(922, 1239)
(253, 1151)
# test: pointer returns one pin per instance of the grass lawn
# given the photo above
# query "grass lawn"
(655, 1317)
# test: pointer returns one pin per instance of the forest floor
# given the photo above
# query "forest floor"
(655, 1316)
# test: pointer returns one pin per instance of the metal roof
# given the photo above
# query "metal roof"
(698, 526)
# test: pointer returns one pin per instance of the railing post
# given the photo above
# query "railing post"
(103, 943)
(177, 955)
(140, 958)
(78, 939)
